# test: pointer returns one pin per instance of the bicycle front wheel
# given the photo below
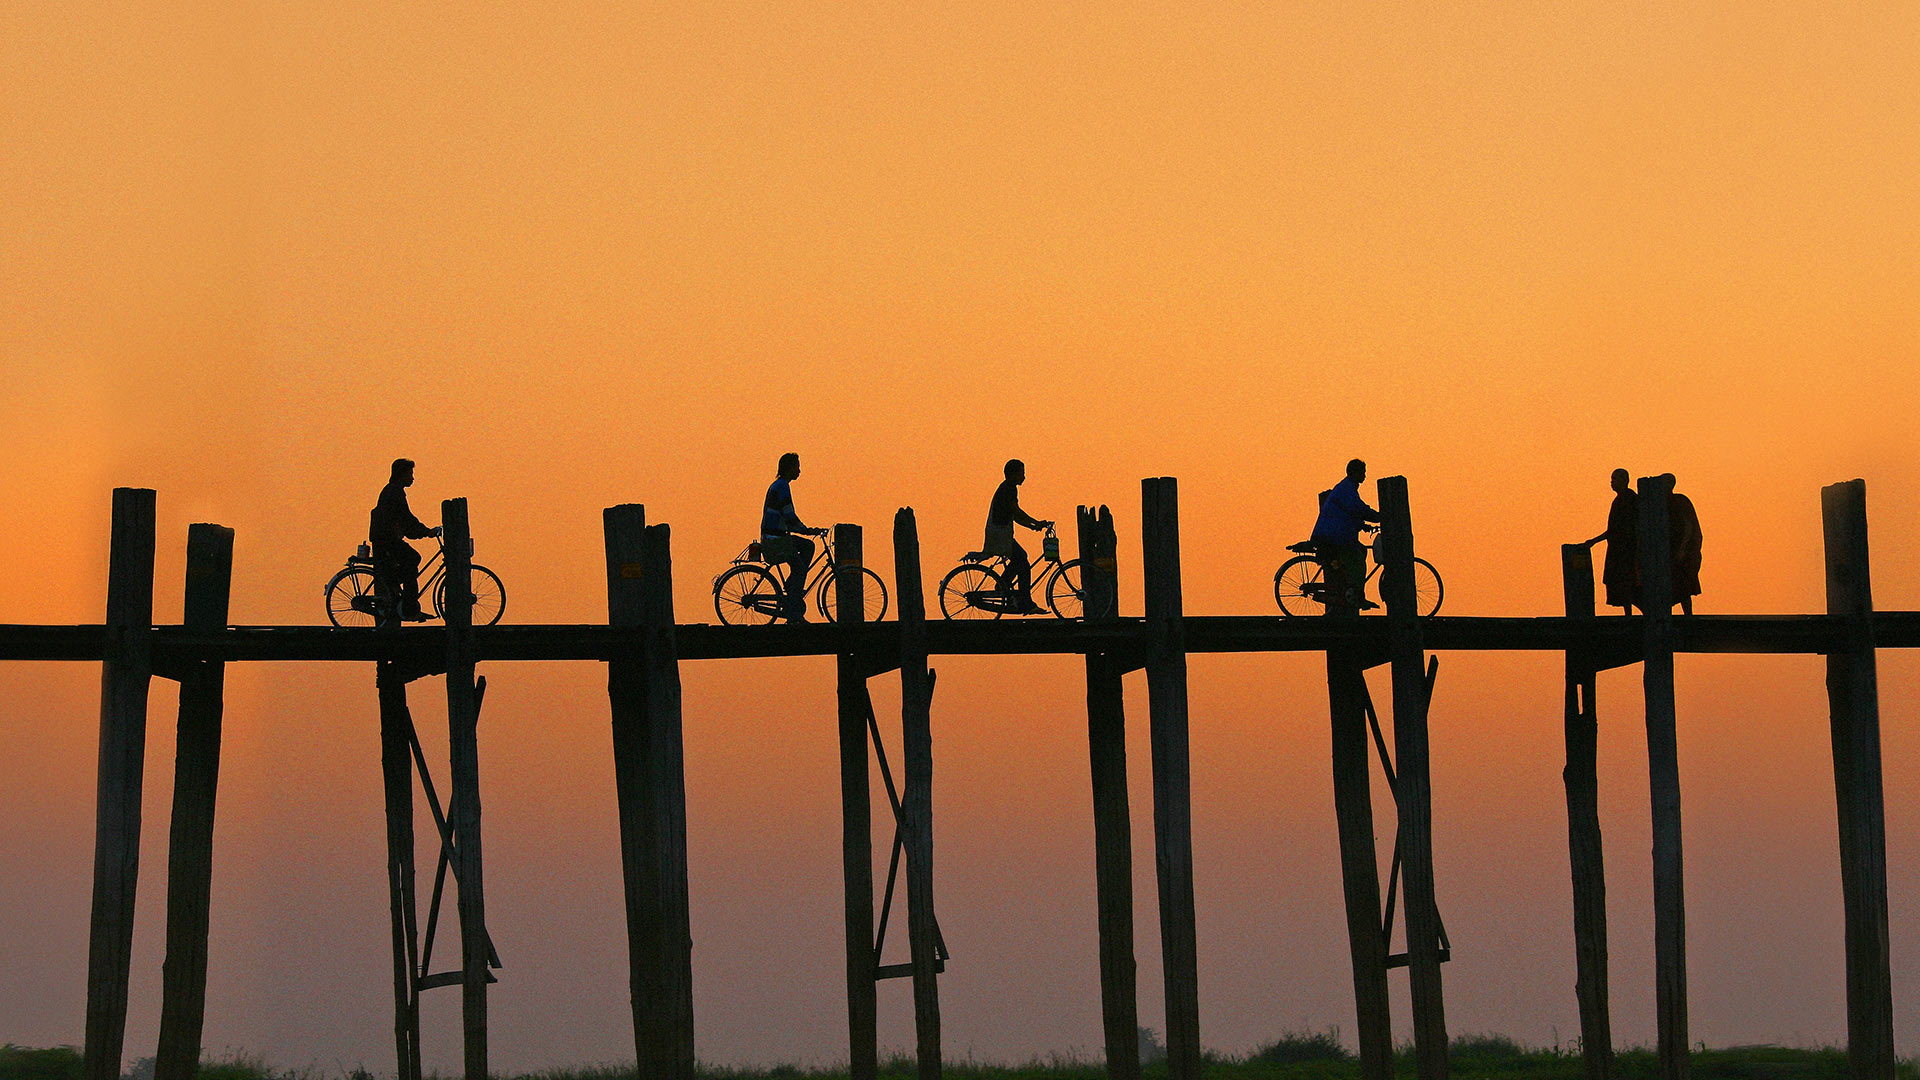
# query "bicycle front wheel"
(964, 586)
(489, 596)
(1066, 591)
(1300, 586)
(1427, 589)
(873, 596)
(351, 602)
(746, 596)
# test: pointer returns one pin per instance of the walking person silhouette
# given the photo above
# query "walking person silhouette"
(1002, 514)
(389, 528)
(1621, 571)
(1684, 542)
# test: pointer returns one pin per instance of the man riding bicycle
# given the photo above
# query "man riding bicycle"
(1002, 514)
(389, 528)
(782, 539)
(1343, 516)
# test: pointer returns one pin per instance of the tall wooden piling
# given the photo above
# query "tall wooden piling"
(856, 813)
(124, 680)
(396, 772)
(916, 716)
(183, 1000)
(1853, 698)
(650, 786)
(1112, 824)
(463, 722)
(1584, 851)
(1359, 860)
(1413, 789)
(1172, 775)
(1663, 772)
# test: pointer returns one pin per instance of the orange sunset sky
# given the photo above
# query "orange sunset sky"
(571, 255)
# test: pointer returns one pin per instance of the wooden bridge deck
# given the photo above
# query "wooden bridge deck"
(173, 645)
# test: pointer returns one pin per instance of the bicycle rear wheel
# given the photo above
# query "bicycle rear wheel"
(1300, 586)
(746, 596)
(351, 602)
(873, 596)
(963, 585)
(489, 597)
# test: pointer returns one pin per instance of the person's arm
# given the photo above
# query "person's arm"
(1027, 519)
(1349, 500)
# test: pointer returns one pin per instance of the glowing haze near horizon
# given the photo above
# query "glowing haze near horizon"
(571, 256)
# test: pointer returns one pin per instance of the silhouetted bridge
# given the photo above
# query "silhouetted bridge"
(643, 645)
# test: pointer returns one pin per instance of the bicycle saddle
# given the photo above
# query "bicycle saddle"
(1304, 547)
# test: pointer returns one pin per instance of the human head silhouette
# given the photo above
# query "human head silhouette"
(1622, 482)
(1357, 471)
(789, 467)
(1016, 471)
(403, 472)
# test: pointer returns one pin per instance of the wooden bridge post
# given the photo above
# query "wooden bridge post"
(1663, 771)
(856, 813)
(1112, 824)
(463, 722)
(396, 772)
(1359, 859)
(916, 715)
(1172, 775)
(650, 785)
(1853, 697)
(183, 995)
(1584, 850)
(1413, 778)
(124, 680)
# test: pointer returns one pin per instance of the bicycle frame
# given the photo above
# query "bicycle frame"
(1041, 572)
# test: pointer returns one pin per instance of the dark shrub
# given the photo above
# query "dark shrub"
(1301, 1047)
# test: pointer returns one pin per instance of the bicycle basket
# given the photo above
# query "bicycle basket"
(1050, 547)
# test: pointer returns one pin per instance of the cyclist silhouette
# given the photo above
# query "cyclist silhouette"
(1002, 515)
(781, 538)
(1343, 515)
(389, 528)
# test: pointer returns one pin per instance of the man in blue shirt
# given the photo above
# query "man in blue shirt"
(782, 539)
(1343, 516)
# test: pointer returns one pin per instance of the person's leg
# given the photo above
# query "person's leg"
(796, 597)
(1020, 568)
(406, 563)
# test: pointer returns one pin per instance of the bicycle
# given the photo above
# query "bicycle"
(1300, 585)
(362, 593)
(752, 591)
(977, 588)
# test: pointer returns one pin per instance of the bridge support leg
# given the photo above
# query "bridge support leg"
(1414, 784)
(1359, 866)
(1663, 771)
(1584, 851)
(183, 1000)
(124, 680)
(916, 701)
(1853, 696)
(856, 816)
(1172, 776)
(463, 722)
(650, 784)
(396, 772)
(1112, 823)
